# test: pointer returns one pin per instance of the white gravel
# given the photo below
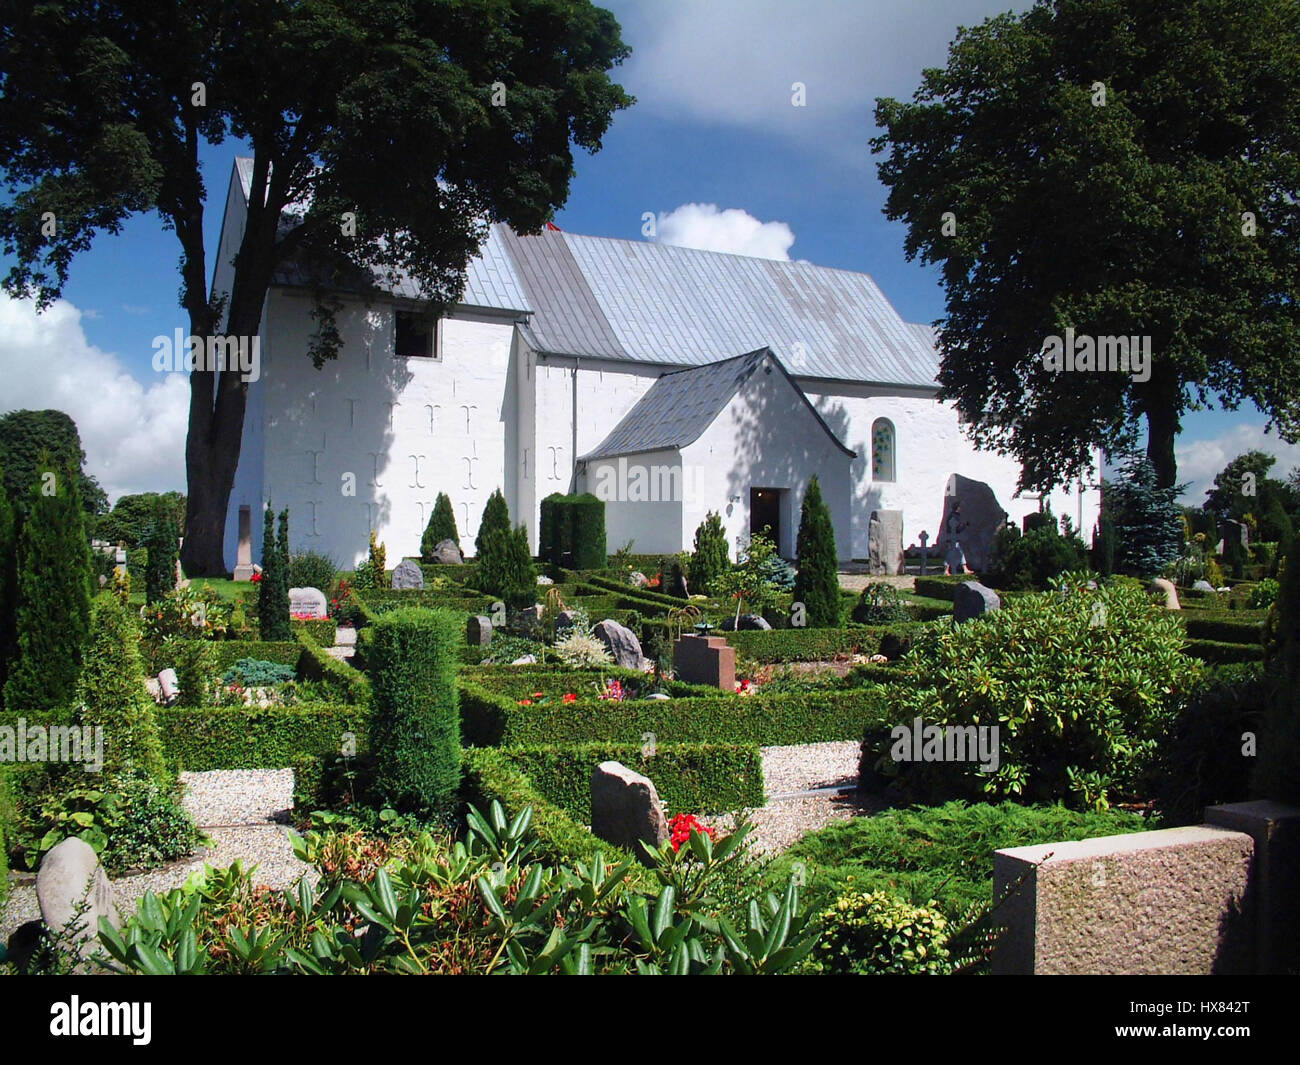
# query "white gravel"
(239, 796)
(810, 765)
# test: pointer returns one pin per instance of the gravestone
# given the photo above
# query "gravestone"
(308, 602)
(168, 684)
(1203, 586)
(446, 553)
(972, 516)
(564, 621)
(244, 553)
(1167, 591)
(885, 542)
(708, 660)
(925, 539)
(625, 808)
(407, 575)
(637, 579)
(621, 643)
(748, 623)
(478, 631)
(972, 600)
(70, 876)
(119, 563)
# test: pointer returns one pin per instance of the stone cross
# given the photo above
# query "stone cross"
(925, 539)
(244, 557)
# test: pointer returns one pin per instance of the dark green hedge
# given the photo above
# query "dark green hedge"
(201, 738)
(1223, 629)
(346, 684)
(649, 595)
(462, 574)
(809, 645)
(491, 720)
(414, 656)
(697, 778)
(942, 587)
(571, 531)
(7, 815)
(520, 682)
(490, 775)
(225, 653)
(382, 601)
(1217, 651)
(322, 630)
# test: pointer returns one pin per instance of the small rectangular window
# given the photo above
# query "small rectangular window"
(415, 336)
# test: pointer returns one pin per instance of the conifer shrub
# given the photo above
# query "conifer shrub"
(51, 602)
(162, 552)
(496, 518)
(817, 585)
(414, 656)
(572, 531)
(273, 589)
(711, 557)
(506, 568)
(111, 692)
(442, 526)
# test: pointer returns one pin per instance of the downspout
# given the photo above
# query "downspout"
(573, 476)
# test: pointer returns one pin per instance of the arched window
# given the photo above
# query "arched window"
(882, 450)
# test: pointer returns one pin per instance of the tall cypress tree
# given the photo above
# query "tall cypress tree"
(817, 584)
(442, 526)
(161, 546)
(273, 592)
(496, 518)
(52, 600)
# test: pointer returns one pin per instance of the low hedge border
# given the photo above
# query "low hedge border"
(346, 684)
(648, 594)
(322, 630)
(519, 682)
(490, 774)
(491, 720)
(1220, 651)
(941, 587)
(198, 739)
(225, 653)
(701, 778)
(461, 574)
(1223, 630)
(382, 600)
(809, 645)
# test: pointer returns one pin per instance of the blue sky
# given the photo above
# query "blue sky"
(714, 126)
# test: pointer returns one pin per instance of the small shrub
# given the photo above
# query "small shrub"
(442, 526)
(256, 673)
(817, 585)
(506, 568)
(879, 604)
(496, 518)
(196, 672)
(1264, 594)
(581, 650)
(150, 827)
(372, 573)
(876, 934)
(312, 569)
(710, 558)
(1029, 562)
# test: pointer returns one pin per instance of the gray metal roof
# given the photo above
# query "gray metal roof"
(648, 302)
(679, 406)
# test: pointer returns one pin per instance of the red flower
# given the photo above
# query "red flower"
(525, 702)
(683, 826)
(569, 697)
(256, 578)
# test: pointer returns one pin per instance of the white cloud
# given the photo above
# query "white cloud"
(704, 226)
(133, 435)
(1200, 460)
(734, 61)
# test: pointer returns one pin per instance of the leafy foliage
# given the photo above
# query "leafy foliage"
(1077, 681)
(818, 583)
(312, 569)
(879, 603)
(748, 581)
(874, 934)
(1030, 561)
(32, 441)
(1037, 243)
(132, 516)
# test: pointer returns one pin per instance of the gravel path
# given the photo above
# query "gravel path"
(239, 809)
(788, 771)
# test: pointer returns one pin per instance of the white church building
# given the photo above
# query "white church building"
(667, 380)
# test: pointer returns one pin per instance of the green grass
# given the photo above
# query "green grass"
(944, 853)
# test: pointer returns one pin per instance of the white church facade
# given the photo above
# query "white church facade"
(669, 381)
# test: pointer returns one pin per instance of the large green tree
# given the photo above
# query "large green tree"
(424, 120)
(36, 440)
(1122, 168)
(129, 520)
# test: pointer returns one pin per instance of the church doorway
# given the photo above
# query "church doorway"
(765, 513)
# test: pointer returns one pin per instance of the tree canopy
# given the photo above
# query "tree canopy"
(32, 441)
(1121, 168)
(385, 138)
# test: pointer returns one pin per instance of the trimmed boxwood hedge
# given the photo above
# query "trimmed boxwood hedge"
(941, 587)
(322, 630)
(414, 656)
(520, 682)
(491, 720)
(462, 574)
(346, 684)
(225, 653)
(490, 774)
(202, 738)
(1224, 630)
(384, 600)
(649, 595)
(1218, 651)
(699, 778)
(809, 645)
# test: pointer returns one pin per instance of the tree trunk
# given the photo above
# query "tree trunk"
(1162, 429)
